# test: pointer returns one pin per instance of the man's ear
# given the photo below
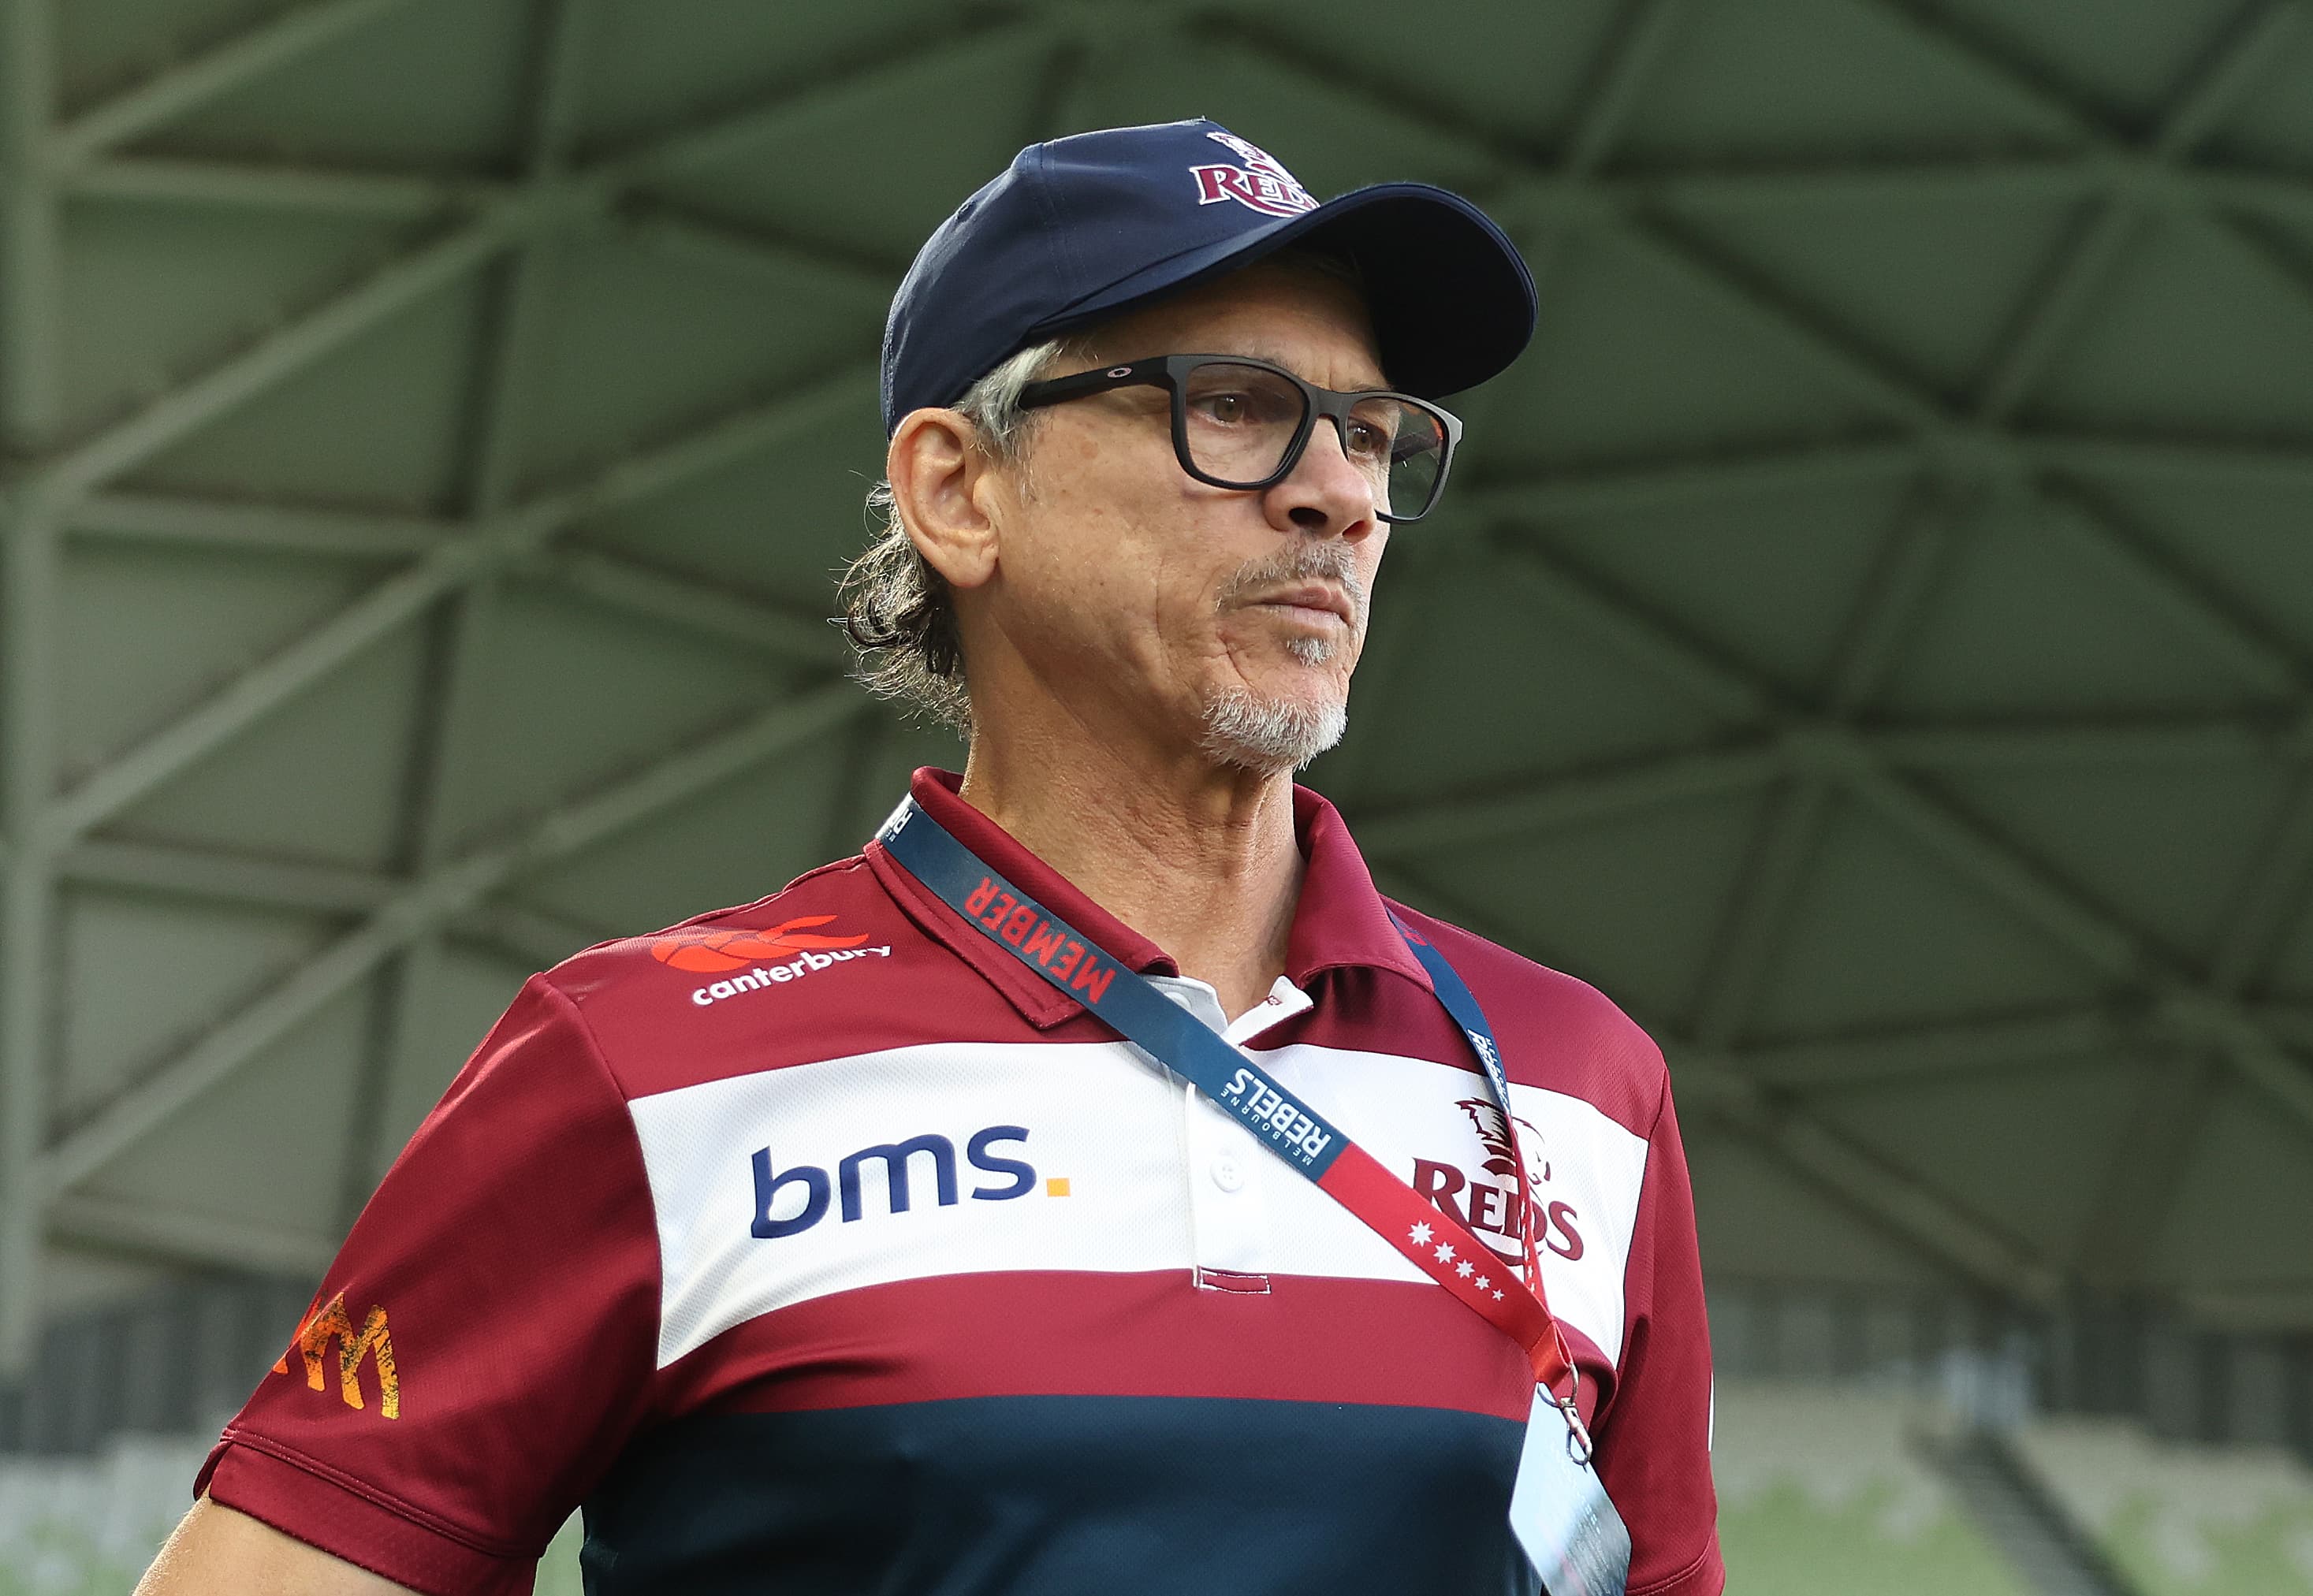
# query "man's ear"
(939, 486)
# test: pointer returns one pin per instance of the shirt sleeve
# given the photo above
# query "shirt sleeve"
(1654, 1446)
(484, 1339)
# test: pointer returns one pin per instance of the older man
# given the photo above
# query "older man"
(1095, 1185)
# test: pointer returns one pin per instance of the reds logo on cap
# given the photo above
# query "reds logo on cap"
(1261, 184)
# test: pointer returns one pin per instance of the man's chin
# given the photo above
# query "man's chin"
(1270, 734)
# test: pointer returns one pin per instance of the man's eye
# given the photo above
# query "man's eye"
(1227, 408)
(1367, 441)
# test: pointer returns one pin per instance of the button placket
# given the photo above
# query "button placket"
(1223, 1174)
(1228, 1218)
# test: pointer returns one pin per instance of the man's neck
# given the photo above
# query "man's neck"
(1202, 861)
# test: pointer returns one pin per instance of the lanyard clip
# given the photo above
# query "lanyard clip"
(1579, 1444)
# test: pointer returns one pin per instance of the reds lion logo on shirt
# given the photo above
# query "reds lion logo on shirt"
(1498, 1207)
(1261, 184)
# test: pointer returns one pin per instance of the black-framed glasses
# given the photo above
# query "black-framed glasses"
(1243, 423)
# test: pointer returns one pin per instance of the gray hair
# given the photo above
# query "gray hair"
(897, 610)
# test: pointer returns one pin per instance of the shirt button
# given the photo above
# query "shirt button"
(1227, 1173)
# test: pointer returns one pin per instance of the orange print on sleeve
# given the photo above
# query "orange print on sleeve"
(371, 1341)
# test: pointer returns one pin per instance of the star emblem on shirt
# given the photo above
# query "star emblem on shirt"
(1497, 1297)
(1463, 1269)
(1485, 1284)
(1420, 1234)
(1445, 1252)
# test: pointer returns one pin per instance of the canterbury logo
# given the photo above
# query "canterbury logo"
(332, 1323)
(713, 951)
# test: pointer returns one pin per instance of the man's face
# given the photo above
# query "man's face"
(1226, 620)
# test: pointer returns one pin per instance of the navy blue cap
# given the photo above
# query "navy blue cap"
(1079, 229)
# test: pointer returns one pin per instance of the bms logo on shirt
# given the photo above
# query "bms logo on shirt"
(789, 1201)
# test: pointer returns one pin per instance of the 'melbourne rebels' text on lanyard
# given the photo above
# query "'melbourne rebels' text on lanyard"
(1129, 1005)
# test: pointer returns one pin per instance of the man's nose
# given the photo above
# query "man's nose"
(1325, 494)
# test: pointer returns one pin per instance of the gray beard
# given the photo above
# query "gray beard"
(1270, 736)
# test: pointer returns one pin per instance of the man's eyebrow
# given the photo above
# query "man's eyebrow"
(1260, 352)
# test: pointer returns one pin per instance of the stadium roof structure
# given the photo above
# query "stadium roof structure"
(1870, 635)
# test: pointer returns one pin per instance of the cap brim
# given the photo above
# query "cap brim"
(1451, 298)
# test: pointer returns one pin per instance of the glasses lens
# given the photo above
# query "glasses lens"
(1401, 446)
(1240, 420)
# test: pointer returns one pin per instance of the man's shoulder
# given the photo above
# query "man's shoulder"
(791, 975)
(720, 939)
(1556, 1031)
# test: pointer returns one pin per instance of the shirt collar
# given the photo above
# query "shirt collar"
(1340, 920)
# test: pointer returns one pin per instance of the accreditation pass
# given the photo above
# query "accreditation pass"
(1559, 1513)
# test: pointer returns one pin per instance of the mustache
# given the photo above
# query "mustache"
(1329, 561)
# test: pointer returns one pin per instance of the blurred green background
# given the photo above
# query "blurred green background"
(1870, 635)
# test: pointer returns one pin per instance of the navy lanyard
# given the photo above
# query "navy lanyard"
(1128, 1003)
